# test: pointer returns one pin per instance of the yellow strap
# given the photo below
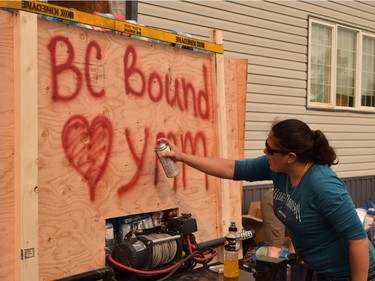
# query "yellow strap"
(107, 23)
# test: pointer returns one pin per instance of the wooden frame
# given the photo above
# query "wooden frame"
(58, 207)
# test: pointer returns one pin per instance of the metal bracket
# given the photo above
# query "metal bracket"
(27, 253)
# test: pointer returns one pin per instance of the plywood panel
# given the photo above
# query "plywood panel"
(104, 99)
(7, 210)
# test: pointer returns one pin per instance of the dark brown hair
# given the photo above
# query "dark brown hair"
(309, 145)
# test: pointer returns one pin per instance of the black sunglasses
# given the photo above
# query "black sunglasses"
(271, 151)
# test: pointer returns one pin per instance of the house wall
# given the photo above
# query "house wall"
(273, 36)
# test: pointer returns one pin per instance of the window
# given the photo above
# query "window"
(321, 61)
(341, 67)
(368, 72)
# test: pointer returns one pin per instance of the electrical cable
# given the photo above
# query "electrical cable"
(203, 260)
(180, 263)
(142, 272)
(164, 253)
(189, 243)
(152, 272)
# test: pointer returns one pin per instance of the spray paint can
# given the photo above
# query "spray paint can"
(170, 168)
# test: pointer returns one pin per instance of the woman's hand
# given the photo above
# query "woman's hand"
(175, 153)
(218, 167)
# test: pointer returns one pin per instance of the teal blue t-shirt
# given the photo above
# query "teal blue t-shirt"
(319, 214)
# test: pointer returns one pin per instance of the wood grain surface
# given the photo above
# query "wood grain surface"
(7, 209)
(103, 101)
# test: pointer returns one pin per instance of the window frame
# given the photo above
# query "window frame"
(371, 35)
(331, 105)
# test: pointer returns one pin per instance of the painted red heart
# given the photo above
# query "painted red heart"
(88, 147)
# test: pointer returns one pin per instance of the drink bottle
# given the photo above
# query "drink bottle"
(231, 251)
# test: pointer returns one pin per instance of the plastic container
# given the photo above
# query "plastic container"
(109, 237)
(231, 247)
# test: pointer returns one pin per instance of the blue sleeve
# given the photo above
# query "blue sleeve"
(337, 206)
(256, 169)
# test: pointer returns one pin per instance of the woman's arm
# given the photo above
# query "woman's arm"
(359, 259)
(218, 167)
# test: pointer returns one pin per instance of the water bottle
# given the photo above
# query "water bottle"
(109, 238)
(231, 251)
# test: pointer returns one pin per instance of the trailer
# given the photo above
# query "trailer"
(83, 100)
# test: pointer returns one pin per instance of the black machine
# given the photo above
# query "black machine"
(275, 269)
(268, 269)
(158, 253)
(163, 251)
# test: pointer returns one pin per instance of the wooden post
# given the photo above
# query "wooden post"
(26, 146)
(222, 140)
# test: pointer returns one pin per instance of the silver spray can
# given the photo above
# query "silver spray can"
(170, 168)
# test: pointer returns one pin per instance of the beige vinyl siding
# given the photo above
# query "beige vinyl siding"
(273, 36)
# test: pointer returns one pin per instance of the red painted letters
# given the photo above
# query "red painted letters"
(138, 160)
(88, 147)
(69, 66)
(133, 76)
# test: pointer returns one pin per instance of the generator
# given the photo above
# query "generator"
(157, 253)
(163, 250)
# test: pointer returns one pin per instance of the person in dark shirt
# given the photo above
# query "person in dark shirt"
(309, 198)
